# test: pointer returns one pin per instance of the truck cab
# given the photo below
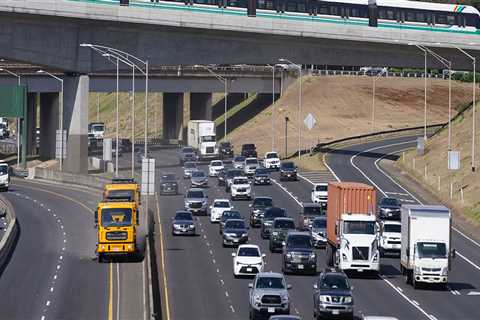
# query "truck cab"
(97, 129)
(117, 222)
(4, 176)
(202, 137)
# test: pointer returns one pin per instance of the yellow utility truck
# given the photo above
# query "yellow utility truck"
(117, 220)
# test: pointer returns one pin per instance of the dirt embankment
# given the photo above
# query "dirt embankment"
(342, 107)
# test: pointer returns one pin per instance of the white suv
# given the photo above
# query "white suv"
(390, 236)
(250, 165)
(4, 176)
(271, 160)
(217, 208)
(319, 192)
(241, 188)
(215, 167)
(248, 260)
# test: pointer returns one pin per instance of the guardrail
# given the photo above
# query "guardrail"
(317, 72)
(8, 241)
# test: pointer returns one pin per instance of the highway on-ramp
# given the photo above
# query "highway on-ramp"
(52, 273)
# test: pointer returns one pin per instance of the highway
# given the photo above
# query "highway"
(52, 273)
(199, 279)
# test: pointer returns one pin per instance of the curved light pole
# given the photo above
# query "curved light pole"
(61, 114)
(378, 76)
(425, 54)
(299, 67)
(18, 118)
(273, 104)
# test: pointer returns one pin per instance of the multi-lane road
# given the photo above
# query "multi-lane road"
(199, 280)
(52, 273)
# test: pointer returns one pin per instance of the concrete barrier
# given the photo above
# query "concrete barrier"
(8, 241)
(68, 178)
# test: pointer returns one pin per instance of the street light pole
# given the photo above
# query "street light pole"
(474, 103)
(224, 81)
(133, 122)
(117, 120)
(18, 118)
(373, 98)
(60, 116)
(273, 105)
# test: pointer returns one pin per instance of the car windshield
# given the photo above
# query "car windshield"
(248, 252)
(221, 204)
(216, 164)
(231, 215)
(272, 155)
(284, 224)
(288, 165)
(298, 241)
(313, 211)
(116, 217)
(225, 144)
(270, 283)
(190, 165)
(234, 224)
(359, 227)
(3, 170)
(208, 138)
(195, 194)
(240, 181)
(392, 228)
(431, 250)
(263, 202)
(168, 177)
(248, 146)
(198, 174)
(274, 213)
(128, 195)
(389, 202)
(261, 171)
(319, 223)
(321, 188)
(251, 161)
(332, 281)
(183, 216)
(234, 173)
(98, 127)
(187, 150)
(239, 159)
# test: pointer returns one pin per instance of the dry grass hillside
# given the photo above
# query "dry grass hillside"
(343, 107)
(437, 176)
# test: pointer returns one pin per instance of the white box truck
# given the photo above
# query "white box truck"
(201, 137)
(426, 251)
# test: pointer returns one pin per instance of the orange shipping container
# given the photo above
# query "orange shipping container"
(345, 198)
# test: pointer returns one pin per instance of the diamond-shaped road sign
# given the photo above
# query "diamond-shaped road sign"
(310, 121)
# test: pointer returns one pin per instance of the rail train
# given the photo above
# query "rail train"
(375, 13)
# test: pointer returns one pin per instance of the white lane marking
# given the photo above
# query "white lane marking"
(328, 167)
(416, 302)
(400, 289)
(48, 303)
(51, 289)
(58, 267)
(55, 277)
(42, 318)
(396, 193)
(213, 260)
(420, 202)
(223, 283)
(231, 307)
(287, 192)
(226, 294)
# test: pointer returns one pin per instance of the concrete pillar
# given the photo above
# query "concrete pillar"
(173, 116)
(200, 106)
(48, 124)
(76, 90)
(32, 123)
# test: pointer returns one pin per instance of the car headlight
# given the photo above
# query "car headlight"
(274, 233)
(244, 234)
(191, 226)
(289, 255)
(284, 298)
(324, 298)
(347, 299)
(418, 270)
(230, 234)
(176, 226)
(444, 271)
(344, 257)
(256, 298)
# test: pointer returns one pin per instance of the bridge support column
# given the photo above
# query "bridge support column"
(200, 106)
(76, 124)
(48, 124)
(173, 116)
(32, 123)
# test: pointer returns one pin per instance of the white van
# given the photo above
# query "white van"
(4, 176)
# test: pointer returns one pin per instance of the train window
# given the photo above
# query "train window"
(420, 17)
(450, 19)
(334, 11)
(261, 4)
(291, 6)
(441, 19)
(355, 13)
(269, 4)
(323, 10)
(381, 14)
(342, 12)
(390, 15)
(410, 16)
(301, 7)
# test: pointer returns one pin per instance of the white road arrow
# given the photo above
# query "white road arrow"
(473, 293)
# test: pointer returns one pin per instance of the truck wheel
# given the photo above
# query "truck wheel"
(329, 259)
(415, 284)
(408, 277)
(101, 259)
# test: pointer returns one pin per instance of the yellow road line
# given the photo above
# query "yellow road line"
(110, 292)
(164, 273)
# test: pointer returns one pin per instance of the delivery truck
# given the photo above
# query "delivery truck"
(426, 244)
(201, 137)
(352, 242)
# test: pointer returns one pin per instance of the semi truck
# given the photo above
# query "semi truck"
(352, 243)
(117, 220)
(201, 137)
(426, 251)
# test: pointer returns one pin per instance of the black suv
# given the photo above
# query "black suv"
(280, 229)
(288, 171)
(261, 177)
(389, 208)
(258, 207)
(249, 150)
(299, 253)
(332, 295)
(225, 150)
(310, 211)
(268, 217)
(168, 184)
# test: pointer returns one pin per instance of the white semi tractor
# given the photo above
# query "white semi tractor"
(426, 251)
(201, 137)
